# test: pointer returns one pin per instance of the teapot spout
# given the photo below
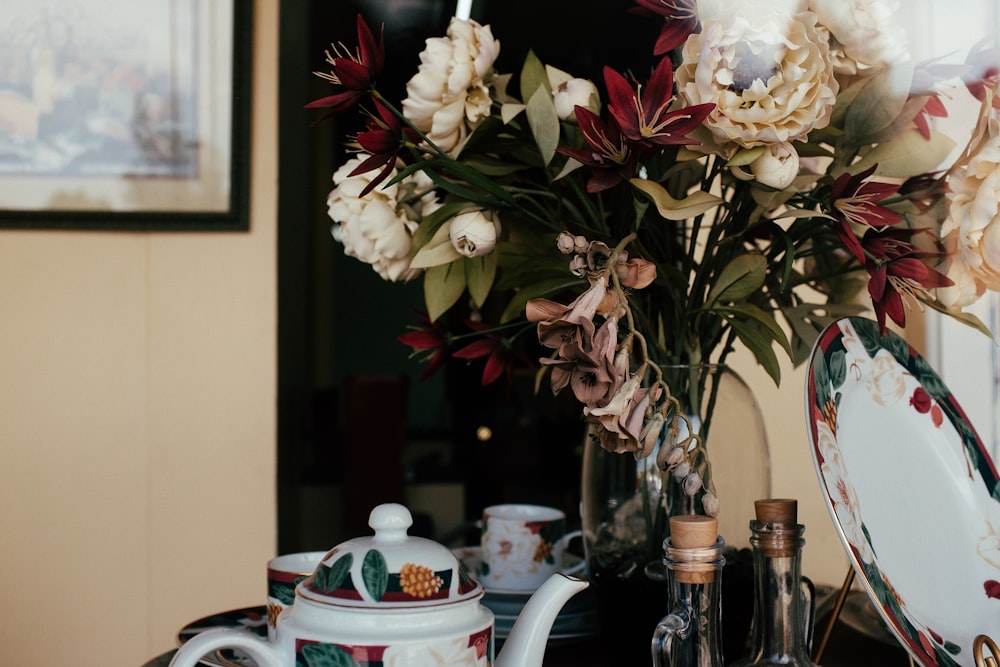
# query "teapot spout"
(525, 645)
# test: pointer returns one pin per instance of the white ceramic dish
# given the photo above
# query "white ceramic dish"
(910, 488)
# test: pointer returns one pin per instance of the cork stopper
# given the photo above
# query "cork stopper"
(781, 514)
(777, 510)
(694, 532)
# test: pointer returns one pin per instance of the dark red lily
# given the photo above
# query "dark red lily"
(644, 114)
(385, 138)
(680, 20)
(354, 72)
(608, 154)
(854, 200)
(896, 267)
(430, 336)
(500, 355)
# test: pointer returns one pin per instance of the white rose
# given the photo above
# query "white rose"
(769, 74)
(867, 33)
(474, 233)
(777, 167)
(573, 93)
(886, 382)
(378, 228)
(972, 229)
(449, 95)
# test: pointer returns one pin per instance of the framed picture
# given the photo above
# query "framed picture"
(117, 114)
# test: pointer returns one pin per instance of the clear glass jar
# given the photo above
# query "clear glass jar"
(690, 635)
(782, 622)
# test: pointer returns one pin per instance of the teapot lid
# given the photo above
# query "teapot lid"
(389, 569)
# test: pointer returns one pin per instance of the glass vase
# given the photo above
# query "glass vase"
(626, 504)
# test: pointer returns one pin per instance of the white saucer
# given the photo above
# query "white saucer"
(471, 558)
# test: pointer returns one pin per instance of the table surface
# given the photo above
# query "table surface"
(846, 648)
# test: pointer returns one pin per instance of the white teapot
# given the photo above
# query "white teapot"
(399, 600)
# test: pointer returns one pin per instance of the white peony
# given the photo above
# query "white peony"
(972, 229)
(866, 33)
(378, 228)
(450, 93)
(509, 547)
(769, 73)
(453, 653)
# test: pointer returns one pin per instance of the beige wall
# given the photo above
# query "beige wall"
(137, 423)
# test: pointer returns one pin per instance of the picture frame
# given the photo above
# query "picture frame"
(124, 115)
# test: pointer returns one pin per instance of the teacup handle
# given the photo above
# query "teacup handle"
(209, 641)
(563, 543)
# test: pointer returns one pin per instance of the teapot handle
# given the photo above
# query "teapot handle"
(209, 641)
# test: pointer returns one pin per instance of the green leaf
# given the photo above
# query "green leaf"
(878, 103)
(751, 313)
(968, 319)
(739, 279)
(693, 205)
(544, 123)
(436, 252)
(745, 156)
(326, 655)
(479, 275)
(443, 286)
(533, 76)
(908, 154)
(759, 344)
(328, 578)
(375, 573)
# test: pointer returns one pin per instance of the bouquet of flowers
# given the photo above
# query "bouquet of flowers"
(780, 166)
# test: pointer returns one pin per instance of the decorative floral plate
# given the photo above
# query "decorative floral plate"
(910, 487)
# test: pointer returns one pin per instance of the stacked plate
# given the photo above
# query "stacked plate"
(577, 620)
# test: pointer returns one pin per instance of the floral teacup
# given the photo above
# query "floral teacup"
(522, 546)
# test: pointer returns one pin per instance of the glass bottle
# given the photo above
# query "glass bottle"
(782, 622)
(690, 635)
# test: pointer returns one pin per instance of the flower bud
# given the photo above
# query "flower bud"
(711, 504)
(573, 93)
(777, 167)
(566, 242)
(692, 484)
(474, 233)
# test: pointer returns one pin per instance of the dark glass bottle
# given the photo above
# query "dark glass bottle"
(690, 636)
(782, 619)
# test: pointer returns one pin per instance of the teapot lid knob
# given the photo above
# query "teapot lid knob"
(390, 521)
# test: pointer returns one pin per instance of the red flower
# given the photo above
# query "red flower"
(385, 139)
(354, 72)
(500, 355)
(854, 200)
(680, 20)
(896, 267)
(644, 114)
(430, 336)
(608, 154)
